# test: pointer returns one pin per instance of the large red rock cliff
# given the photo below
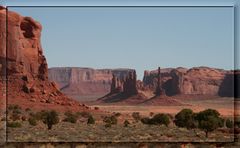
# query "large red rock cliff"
(25, 66)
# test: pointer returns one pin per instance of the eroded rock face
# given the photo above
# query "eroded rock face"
(87, 81)
(124, 90)
(130, 84)
(24, 65)
(194, 81)
(24, 51)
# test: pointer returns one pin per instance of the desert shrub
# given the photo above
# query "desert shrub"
(27, 109)
(117, 114)
(24, 118)
(161, 119)
(185, 118)
(136, 116)
(108, 125)
(221, 122)
(3, 119)
(37, 115)
(126, 123)
(237, 122)
(209, 120)
(96, 108)
(16, 111)
(32, 121)
(14, 124)
(91, 120)
(146, 120)
(14, 107)
(110, 120)
(158, 119)
(70, 117)
(50, 118)
(151, 114)
(84, 114)
(15, 116)
(10, 107)
(229, 123)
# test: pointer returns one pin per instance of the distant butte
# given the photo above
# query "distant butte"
(125, 91)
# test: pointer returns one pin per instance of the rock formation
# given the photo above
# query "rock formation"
(25, 66)
(159, 90)
(116, 86)
(124, 90)
(194, 81)
(130, 84)
(80, 82)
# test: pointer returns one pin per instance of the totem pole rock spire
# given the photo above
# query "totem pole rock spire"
(159, 91)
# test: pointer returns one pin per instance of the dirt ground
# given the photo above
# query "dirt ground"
(225, 106)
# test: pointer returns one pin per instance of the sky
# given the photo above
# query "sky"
(142, 38)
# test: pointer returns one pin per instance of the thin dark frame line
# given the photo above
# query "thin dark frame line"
(119, 6)
(200, 6)
(6, 81)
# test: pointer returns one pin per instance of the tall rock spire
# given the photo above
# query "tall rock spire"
(159, 91)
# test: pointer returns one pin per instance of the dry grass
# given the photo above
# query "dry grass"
(67, 132)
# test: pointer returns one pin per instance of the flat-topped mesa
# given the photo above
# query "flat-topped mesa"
(193, 81)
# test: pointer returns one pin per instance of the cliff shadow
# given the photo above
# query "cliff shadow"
(227, 86)
(169, 88)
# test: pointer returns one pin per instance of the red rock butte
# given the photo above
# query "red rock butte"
(25, 66)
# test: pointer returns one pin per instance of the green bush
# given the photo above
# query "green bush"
(14, 124)
(229, 123)
(32, 121)
(91, 120)
(17, 111)
(146, 120)
(14, 107)
(237, 122)
(151, 114)
(24, 118)
(15, 116)
(70, 117)
(126, 123)
(185, 118)
(209, 120)
(108, 125)
(117, 114)
(50, 118)
(110, 120)
(158, 119)
(136, 116)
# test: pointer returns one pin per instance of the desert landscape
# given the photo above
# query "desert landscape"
(74, 104)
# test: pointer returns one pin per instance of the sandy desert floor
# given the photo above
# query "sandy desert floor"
(224, 105)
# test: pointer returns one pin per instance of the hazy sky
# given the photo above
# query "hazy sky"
(142, 38)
